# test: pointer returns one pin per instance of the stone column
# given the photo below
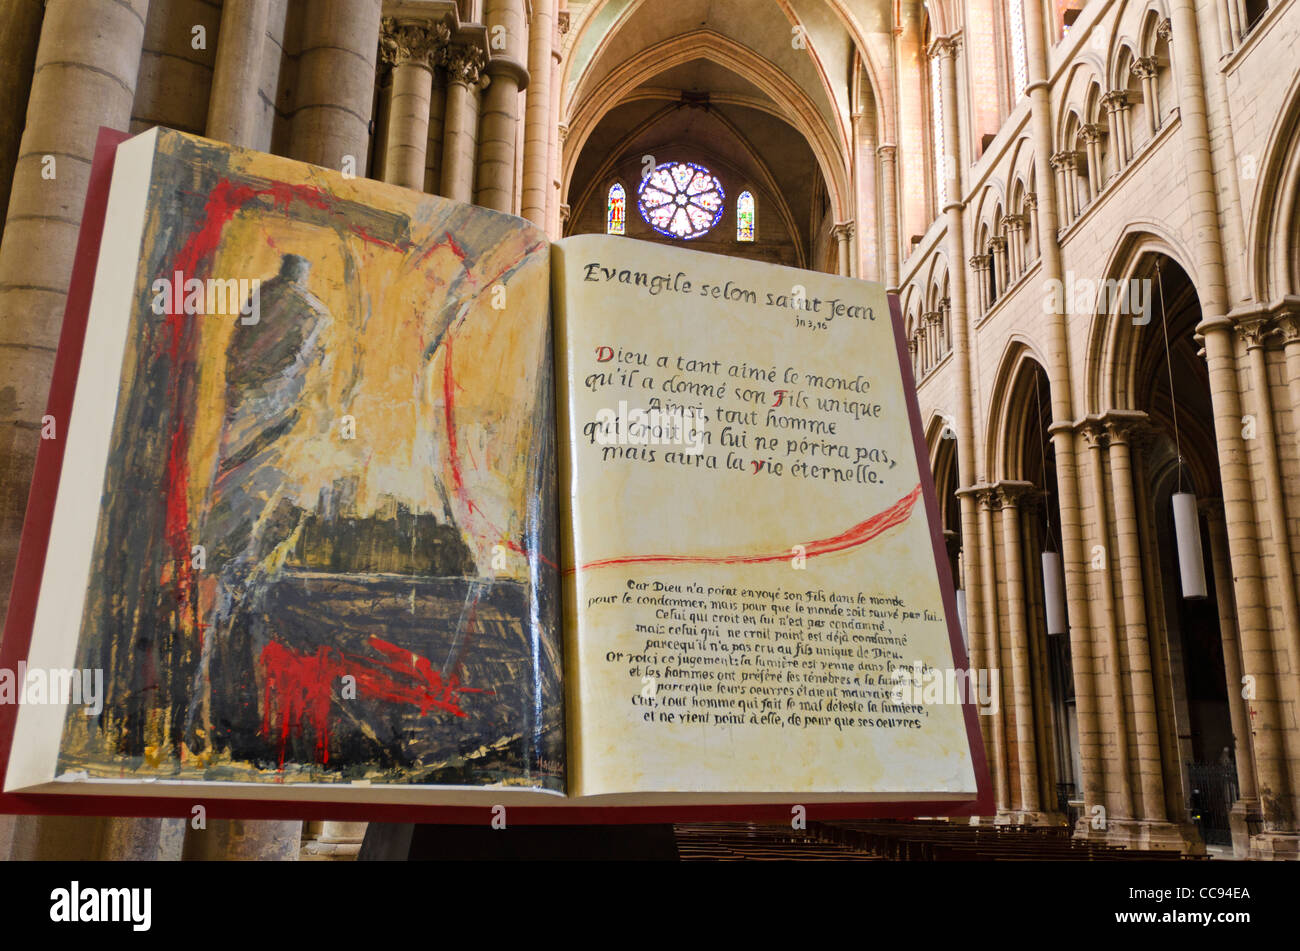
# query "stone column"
(22, 31)
(241, 839)
(1013, 233)
(1032, 501)
(978, 590)
(1022, 681)
(988, 504)
(1062, 163)
(409, 46)
(1145, 69)
(1276, 796)
(1230, 17)
(1062, 429)
(1257, 333)
(433, 144)
(556, 129)
(867, 263)
(458, 138)
(84, 78)
(1137, 650)
(843, 234)
(979, 264)
(945, 317)
(1031, 223)
(1140, 442)
(1113, 102)
(339, 841)
(998, 252)
(972, 576)
(1095, 436)
(889, 194)
(1092, 142)
(336, 84)
(233, 104)
(500, 125)
(537, 114)
(1288, 324)
(1245, 811)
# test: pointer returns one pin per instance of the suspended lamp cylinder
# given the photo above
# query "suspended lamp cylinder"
(1191, 559)
(1054, 592)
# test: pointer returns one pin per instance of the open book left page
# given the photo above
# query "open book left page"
(305, 533)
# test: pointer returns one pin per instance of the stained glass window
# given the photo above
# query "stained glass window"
(680, 200)
(616, 211)
(745, 217)
(1019, 59)
(940, 148)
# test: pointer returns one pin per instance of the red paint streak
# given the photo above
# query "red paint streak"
(450, 243)
(449, 416)
(859, 534)
(300, 687)
(365, 235)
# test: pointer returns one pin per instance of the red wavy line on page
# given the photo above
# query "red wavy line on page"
(859, 534)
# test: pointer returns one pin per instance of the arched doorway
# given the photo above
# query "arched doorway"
(1024, 463)
(1152, 436)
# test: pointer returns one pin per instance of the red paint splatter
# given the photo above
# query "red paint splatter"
(300, 687)
(859, 534)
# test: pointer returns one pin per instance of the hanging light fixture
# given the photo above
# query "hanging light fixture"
(1054, 592)
(1187, 521)
(1053, 576)
(1187, 530)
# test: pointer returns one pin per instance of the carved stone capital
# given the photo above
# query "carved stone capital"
(945, 46)
(1091, 132)
(1014, 222)
(1165, 29)
(1063, 159)
(464, 63)
(1010, 494)
(1144, 67)
(1031, 201)
(887, 152)
(415, 42)
(1257, 332)
(1115, 99)
(987, 497)
(1094, 433)
(1287, 320)
(842, 231)
(1127, 428)
(562, 21)
(997, 244)
(979, 262)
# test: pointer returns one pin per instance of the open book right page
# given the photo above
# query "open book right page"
(749, 562)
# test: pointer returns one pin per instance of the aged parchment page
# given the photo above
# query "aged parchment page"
(745, 572)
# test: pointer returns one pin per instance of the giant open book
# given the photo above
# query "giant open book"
(371, 496)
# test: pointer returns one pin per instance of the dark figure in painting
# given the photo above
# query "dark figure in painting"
(252, 513)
